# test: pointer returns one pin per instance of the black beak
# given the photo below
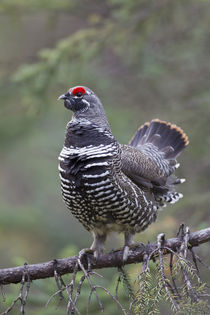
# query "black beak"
(69, 101)
(62, 97)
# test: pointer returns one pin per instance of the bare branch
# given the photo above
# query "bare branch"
(22, 297)
(112, 259)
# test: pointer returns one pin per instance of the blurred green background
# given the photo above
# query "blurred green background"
(144, 59)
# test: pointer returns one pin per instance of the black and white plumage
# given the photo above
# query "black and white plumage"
(112, 187)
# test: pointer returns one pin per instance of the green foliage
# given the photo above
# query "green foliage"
(57, 64)
(150, 293)
(188, 296)
(11, 5)
(127, 283)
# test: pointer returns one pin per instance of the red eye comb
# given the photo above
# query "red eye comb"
(78, 89)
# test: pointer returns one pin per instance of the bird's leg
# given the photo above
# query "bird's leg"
(98, 244)
(96, 248)
(129, 242)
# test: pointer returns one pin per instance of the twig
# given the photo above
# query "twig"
(195, 262)
(130, 306)
(172, 276)
(161, 241)
(11, 306)
(117, 285)
(201, 261)
(53, 295)
(79, 289)
(91, 286)
(22, 297)
(71, 305)
(126, 282)
(59, 285)
(113, 297)
(183, 250)
(184, 242)
(65, 288)
(25, 296)
(3, 293)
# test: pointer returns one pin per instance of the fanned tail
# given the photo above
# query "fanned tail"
(167, 137)
(162, 142)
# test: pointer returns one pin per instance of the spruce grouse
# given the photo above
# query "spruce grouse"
(110, 186)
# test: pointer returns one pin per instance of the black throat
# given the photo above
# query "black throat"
(82, 134)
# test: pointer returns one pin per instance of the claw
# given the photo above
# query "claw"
(85, 251)
(128, 247)
(84, 256)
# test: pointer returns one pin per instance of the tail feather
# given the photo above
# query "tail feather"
(170, 197)
(137, 138)
(168, 137)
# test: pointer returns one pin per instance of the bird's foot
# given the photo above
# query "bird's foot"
(85, 251)
(126, 249)
(85, 256)
(98, 244)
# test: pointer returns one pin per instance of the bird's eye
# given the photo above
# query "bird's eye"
(78, 91)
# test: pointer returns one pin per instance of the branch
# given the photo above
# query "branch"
(112, 259)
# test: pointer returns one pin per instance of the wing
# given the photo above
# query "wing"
(141, 168)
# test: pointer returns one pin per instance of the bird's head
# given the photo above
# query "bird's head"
(85, 105)
(78, 99)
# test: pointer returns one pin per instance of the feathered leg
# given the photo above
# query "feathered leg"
(98, 244)
(129, 242)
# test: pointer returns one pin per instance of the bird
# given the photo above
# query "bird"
(112, 187)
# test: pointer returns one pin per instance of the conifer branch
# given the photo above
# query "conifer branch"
(112, 259)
